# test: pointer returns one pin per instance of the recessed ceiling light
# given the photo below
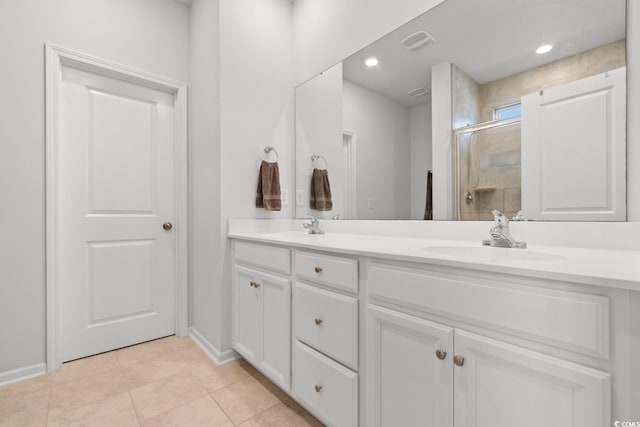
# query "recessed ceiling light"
(371, 62)
(544, 49)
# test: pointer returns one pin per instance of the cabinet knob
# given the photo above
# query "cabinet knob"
(167, 226)
(441, 354)
(318, 270)
(318, 388)
(458, 360)
(254, 284)
(318, 321)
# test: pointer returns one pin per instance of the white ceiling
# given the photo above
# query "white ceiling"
(488, 39)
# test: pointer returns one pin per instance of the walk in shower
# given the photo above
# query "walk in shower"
(487, 159)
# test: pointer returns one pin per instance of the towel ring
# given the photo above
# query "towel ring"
(268, 150)
(315, 157)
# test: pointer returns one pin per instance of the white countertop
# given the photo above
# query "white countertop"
(600, 267)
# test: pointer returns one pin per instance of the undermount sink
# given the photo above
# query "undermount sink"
(488, 253)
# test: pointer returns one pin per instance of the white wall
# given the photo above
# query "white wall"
(152, 35)
(420, 153)
(256, 99)
(205, 190)
(318, 130)
(441, 101)
(327, 31)
(381, 128)
(256, 110)
(633, 110)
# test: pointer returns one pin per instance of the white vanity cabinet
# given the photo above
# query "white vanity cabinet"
(261, 297)
(325, 334)
(436, 373)
(369, 339)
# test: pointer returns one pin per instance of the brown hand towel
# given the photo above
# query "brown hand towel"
(320, 195)
(428, 208)
(268, 193)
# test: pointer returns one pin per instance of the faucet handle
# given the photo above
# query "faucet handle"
(518, 217)
(501, 221)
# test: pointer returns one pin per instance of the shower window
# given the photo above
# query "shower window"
(507, 111)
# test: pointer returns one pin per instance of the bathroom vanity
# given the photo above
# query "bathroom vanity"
(371, 330)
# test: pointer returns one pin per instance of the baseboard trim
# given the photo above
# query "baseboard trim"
(218, 357)
(20, 374)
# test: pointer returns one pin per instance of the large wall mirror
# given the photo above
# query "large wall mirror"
(473, 106)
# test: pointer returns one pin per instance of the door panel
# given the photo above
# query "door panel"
(121, 139)
(116, 187)
(247, 334)
(501, 385)
(407, 384)
(116, 269)
(276, 329)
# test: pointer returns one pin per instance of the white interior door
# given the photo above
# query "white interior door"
(115, 188)
(573, 150)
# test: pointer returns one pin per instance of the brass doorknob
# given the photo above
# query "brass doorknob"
(318, 321)
(167, 226)
(441, 354)
(318, 269)
(318, 388)
(458, 360)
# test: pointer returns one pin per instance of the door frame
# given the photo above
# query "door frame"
(55, 58)
(350, 162)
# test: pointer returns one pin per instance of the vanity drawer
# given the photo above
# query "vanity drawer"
(333, 271)
(327, 321)
(573, 321)
(268, 257)
(325, 387)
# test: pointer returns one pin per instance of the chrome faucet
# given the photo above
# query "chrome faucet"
(500, 234)
(313, 226)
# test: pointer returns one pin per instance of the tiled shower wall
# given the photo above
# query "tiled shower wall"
(490, 172)
(510, 89)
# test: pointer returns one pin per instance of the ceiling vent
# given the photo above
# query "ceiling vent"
(419, 91)
(416, 40)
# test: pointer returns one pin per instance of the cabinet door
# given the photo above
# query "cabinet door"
(500, 385)
(276, 328)
(247, 313)
(407, 384)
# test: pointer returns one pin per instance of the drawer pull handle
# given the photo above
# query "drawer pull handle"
(318, 270)
(441, 354)
(318, 321)
(254, 284)
(318, 388)
(458, 360)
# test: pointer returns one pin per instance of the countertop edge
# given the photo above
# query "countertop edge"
(518, 270)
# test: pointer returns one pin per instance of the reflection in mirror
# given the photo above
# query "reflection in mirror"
(381, 132)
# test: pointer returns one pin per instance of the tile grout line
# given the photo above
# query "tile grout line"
(46, 421)
(133, 404)
(216, 402)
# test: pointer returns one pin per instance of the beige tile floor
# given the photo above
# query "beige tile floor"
(166, 382)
